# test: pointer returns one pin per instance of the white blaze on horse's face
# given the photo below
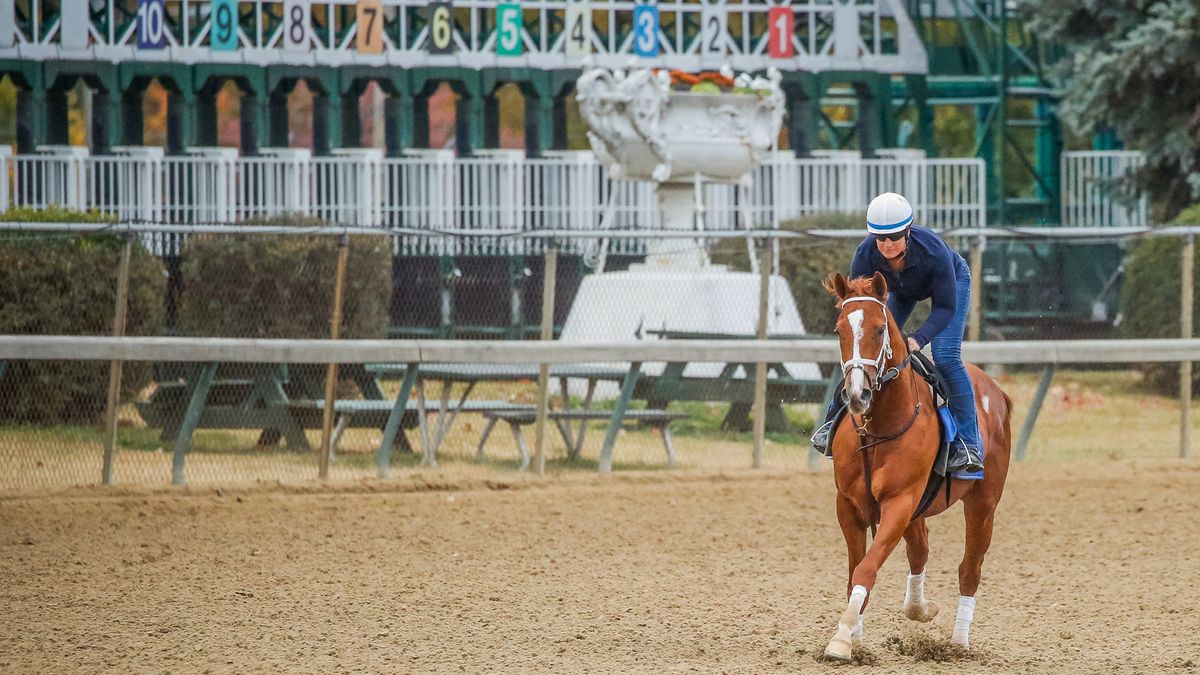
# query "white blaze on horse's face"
(855, 386)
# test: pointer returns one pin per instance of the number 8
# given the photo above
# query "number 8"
(297, 23)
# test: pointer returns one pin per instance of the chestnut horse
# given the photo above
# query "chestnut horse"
(883, 452)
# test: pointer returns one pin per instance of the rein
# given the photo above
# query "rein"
(867, 439)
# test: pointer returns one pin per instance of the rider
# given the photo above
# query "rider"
(919, 265)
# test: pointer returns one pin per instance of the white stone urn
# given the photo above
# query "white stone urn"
(641, 129)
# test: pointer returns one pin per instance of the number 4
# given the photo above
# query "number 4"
(579, 28)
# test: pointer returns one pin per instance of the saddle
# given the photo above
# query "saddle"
(927, 371)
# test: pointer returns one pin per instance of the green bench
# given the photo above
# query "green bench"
(374, 414)
(658, 419)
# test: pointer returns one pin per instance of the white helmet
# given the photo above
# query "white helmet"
(889, 213)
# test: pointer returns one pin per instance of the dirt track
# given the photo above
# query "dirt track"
(1093, 569)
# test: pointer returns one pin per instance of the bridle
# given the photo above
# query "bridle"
(885, 349)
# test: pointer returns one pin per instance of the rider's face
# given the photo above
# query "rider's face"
(891, 249)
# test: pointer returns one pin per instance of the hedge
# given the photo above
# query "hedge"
(1150, 299)
(58, 284)
(281, 286)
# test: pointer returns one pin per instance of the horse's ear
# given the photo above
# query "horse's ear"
(879, 286)
(836, 285)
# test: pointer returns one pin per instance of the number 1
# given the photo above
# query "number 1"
(781, 23)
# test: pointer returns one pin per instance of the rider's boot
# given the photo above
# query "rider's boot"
(966, 462)
(820, 437)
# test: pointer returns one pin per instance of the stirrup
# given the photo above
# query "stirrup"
(820, 438)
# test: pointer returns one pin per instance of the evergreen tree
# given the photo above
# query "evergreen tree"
(1133, 66)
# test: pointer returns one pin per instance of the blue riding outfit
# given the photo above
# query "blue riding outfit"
(932, 270)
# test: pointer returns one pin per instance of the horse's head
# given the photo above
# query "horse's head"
(864, 331)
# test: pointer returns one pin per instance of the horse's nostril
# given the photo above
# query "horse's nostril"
(845, 396)
(867, 395)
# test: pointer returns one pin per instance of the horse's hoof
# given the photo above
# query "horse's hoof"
(840, 646)
(923, 614)
(839, 650)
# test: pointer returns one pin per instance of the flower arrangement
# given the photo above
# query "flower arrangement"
(717, 82)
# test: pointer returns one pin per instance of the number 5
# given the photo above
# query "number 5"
(508, 29)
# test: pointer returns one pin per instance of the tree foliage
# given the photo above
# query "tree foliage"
(1133, 66)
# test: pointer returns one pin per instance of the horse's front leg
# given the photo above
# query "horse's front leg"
(854, 531)
(895, 514)
(916, 547)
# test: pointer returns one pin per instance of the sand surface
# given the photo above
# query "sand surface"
(1093, 568)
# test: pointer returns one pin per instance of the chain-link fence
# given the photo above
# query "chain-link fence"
(221, 422)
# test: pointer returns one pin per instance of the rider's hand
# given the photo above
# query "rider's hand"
(913, 346)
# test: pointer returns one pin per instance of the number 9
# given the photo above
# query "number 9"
(224, 23)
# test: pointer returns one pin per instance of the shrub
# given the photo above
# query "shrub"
(58, 284)
(281, 286)
(1150, 299)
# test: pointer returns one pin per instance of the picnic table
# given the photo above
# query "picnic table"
(734, 383)
(272, 398)
(447, 375)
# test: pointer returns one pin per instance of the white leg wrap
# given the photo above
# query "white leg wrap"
(840, 646)
(858, 596)
(914, 595)
(962, 623)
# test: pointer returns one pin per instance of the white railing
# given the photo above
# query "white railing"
(1094, 192)
(55, 177)
(498, 192)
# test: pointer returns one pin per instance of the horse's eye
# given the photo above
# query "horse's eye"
(880, 331)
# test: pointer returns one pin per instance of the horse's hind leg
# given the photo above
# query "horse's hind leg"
(979, 510)
(916, 547)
